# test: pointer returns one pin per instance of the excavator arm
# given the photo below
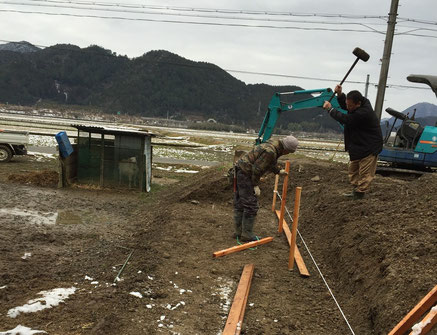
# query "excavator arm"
(277, 106)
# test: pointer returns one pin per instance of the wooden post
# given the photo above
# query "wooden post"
(102, 160)
(244, 246)
(412, 317)
(236, 313)
(297, 256)
(284, 195)
(274, 193)
(294, 227)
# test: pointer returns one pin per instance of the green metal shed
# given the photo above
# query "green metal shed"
(114, 157)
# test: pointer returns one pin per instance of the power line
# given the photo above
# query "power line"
(188, 15)
(188, 22)
(95, 6)
(371, 30)
(221, 11)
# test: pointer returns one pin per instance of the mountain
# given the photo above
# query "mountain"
(426, 115)
(22, 47)
(156, 84)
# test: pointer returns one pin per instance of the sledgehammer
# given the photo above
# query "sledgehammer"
(361, 55)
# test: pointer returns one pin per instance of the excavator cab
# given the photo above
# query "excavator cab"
(408, 134)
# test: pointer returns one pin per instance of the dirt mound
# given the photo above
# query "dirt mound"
(41, 178)
(377, 254)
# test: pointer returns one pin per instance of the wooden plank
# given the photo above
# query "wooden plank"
(242, 247)
(297, 256)
(238, 307)
(284, 195)
(413, 316)
(294, 227)
(243, 310)
(428, 322)
(274, 192)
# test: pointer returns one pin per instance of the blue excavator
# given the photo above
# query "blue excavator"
(415, 147)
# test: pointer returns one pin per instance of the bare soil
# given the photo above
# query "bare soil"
(378, 254)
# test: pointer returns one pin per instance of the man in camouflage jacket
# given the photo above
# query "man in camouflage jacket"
(250, 168)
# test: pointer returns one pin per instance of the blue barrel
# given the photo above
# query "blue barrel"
(64, 144)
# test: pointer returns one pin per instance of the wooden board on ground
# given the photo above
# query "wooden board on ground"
(242, 247)
(236, 313)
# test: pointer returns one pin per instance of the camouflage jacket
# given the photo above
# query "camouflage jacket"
(261, 159)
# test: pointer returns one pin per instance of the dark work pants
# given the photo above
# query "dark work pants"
(245, 199)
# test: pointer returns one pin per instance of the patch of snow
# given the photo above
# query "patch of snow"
(224, 291)
(88, 278)
(22, 330)
(26, 255)
(185, 171)
(136, 294)
(94, 282)
(33, 217)
(49, 299)
(2, 287)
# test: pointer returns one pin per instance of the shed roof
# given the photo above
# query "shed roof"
(113, 131)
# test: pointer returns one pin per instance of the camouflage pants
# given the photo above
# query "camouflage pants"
(245, 199)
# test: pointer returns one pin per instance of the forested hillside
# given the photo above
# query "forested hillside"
(157, 84)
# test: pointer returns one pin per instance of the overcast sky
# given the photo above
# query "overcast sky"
(294, 52)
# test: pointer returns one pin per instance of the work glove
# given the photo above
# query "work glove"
(282, 172)
(257, 191)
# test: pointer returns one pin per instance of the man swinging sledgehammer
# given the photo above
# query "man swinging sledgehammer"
(263, 158)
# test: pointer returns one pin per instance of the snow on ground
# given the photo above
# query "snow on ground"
(183, 154)
(22, 330)
(33, 217)
(136, 294)
(49, 299)
(42, 141)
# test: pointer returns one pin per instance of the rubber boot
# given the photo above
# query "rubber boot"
(247, 234)
(238, 221)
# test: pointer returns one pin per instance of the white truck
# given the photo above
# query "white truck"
(12, 143)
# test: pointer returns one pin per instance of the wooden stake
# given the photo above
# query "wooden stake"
(284, 195)
(413, 316)
(294, 227)
(274, 193)
(297, 256)
(244, 246)
(236, 313)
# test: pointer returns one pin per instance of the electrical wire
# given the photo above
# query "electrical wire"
(215, 10)
(189, 22)
(318, 269)
(194, 15)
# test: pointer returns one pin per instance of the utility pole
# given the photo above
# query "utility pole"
(386, 57)
(367, 86)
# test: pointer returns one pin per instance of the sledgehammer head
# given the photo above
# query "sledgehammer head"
(361, 54)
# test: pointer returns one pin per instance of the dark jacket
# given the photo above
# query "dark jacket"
(261, 159)
(362, 131)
